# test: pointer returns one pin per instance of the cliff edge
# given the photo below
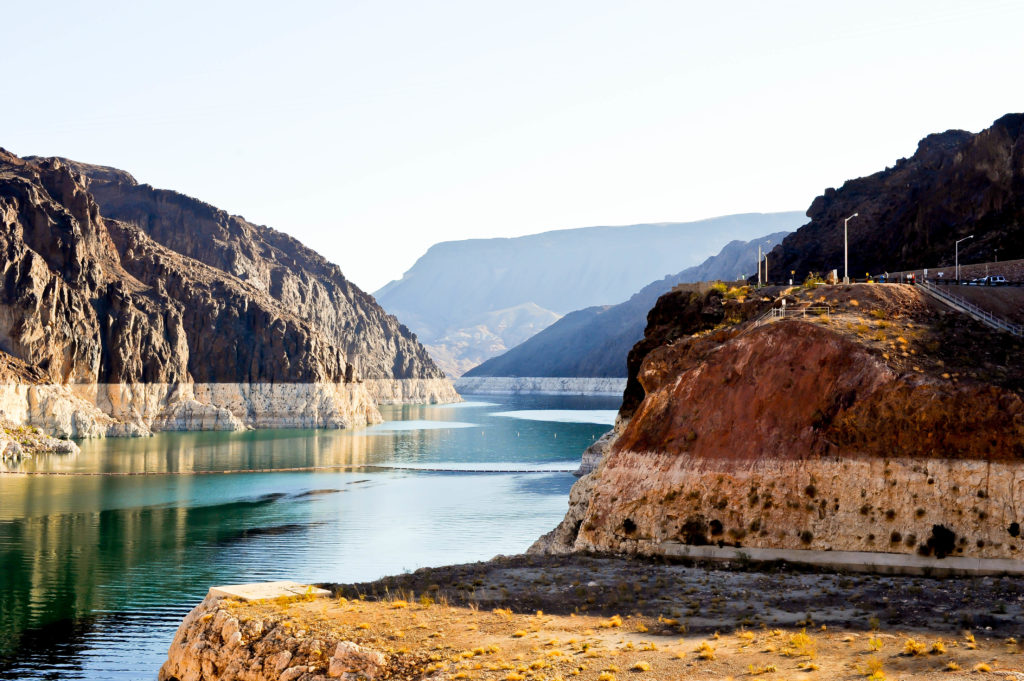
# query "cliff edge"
(874, 420)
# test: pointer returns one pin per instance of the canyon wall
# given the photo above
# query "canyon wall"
(107, 329)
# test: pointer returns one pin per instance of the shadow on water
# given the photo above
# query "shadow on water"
(60, 568)
(50, 645)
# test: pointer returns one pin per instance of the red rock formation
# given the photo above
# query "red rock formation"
(801, 435)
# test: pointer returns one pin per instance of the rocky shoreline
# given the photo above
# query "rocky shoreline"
(107, 410)
(22, 442)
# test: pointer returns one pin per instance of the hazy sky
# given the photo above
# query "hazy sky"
(371, 130)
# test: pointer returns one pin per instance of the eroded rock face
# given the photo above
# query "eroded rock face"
(195, 320)
(793, 435)
(296, 277)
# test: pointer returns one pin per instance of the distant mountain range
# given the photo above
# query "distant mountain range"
(471, 300)
(594, 342)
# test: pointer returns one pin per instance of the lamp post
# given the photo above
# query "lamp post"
(956, 257)
(846, 248)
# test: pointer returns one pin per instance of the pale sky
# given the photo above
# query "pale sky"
(371, 130)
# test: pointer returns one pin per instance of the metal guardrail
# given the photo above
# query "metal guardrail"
(793, 313)
(970, 282)
(973, 310)
(897, 279)
(756, 323)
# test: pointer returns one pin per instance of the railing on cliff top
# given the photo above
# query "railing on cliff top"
(978, 313)
(793, 313)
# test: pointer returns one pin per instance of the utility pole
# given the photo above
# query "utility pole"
(759, 265)
(846, 249)
(956, 257)
(766, 268)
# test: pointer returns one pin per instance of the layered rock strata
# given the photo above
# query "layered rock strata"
(199, 321)
(418, 390)
(831, 434)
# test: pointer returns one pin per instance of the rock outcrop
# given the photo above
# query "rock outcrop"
(218, 642)
(909, 216)
(20, 442)
(885, 425)
(178, 316)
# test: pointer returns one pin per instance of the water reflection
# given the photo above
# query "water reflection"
(94, 566)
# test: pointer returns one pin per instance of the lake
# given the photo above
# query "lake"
(102, 554)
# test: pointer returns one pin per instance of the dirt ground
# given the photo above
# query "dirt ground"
(1003, 301)
(912, 333)
(604, 619)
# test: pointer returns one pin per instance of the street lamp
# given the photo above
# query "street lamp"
(846, 249)
(957, 256)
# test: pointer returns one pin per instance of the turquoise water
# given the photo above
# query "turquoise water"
(96, 571)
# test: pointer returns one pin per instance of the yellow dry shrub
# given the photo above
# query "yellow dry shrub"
(613, 621)
(912, 647)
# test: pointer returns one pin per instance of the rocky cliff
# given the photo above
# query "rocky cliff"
(910, 215)
(176, 316)
(877, 422)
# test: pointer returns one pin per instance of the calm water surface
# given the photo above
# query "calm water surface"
(96, 571)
